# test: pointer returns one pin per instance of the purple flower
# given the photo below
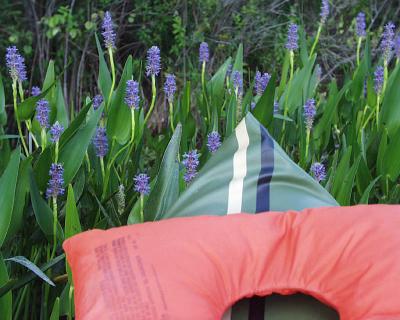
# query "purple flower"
(55, 185)
(261, 82)
(387, 40)
(42, 113)
(142, 184)
(378, 79)
(397, 46)
(213, 141)
(153, 66)
(100, 142)
(360, 25)
(108, 31)
(309, 113)
(170, 87)
(35, 91)
(237, 81)
(132, 98)
(276, 106)
(55, 131)
(324, 10)
(292, 37)
(191, 162)
(97, 101)
(318, 171)
(15, 64)
(204, 54)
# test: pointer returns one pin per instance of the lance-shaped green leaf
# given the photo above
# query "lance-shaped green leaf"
(238, 64)
(55, 313)
(391, 103)
(5, 300)
(15, 284)
(216, 86)
(264, 109)
(166, 186)
(3, 114)
(43, 213)
(73, 152)
(62, 115)
(21, 194)
(31, 266)
(104, 79)
(119, 119)
(8, 183)
(72, 223)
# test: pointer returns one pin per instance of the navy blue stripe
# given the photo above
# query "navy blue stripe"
(267, 168)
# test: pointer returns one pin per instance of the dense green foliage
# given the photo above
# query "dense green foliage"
(355, 135)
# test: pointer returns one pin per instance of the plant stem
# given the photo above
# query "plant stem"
(203, 84)
(307, 144)
(110, 55)
(153, 99)
(14, 87)
(53, 252)
(358, 50)
(285, 109)
(316, 39)
(56, 152)
(378, 99)
(43, 138)
(70, 295)
(171, 116)
(102, 168)
(141, 208)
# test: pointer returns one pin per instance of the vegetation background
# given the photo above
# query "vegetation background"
(63, 31)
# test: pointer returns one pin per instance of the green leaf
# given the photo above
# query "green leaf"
(43, 213)
(341, 172)
(104, 79)
(347, 184)
(380, 162)
(238, 64)
(3, 113)
(5, 300)
(21, 193)
(62, 115)
(73, 152)
(8, 183)
(392, 156)
(15, 284)
(264, 109)
(166, 187)
(28, 107)
(72, 223)
(119, 119)
(391, 103)
(9, 136)
(367, 191)
(31, 266)
(216, 86)
(55, 313)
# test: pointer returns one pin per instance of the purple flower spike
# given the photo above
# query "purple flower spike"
(237, 81)
(261, 82)
(191, 162)
(142, 184)
(170, 87)
(42, 113)
(360, 25)
(324, 10)
(387, 40)
(15, 64)
(35, 91)
(55, 185)
(153, 66)
(213, 141)
(108, 31)
(378, 79)
(97, 101)
(100, 142)
(318, 171)
(292, 38)
(397, 46)
(132, 98)
(204, 54)
(309, 113)
(55, 131)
